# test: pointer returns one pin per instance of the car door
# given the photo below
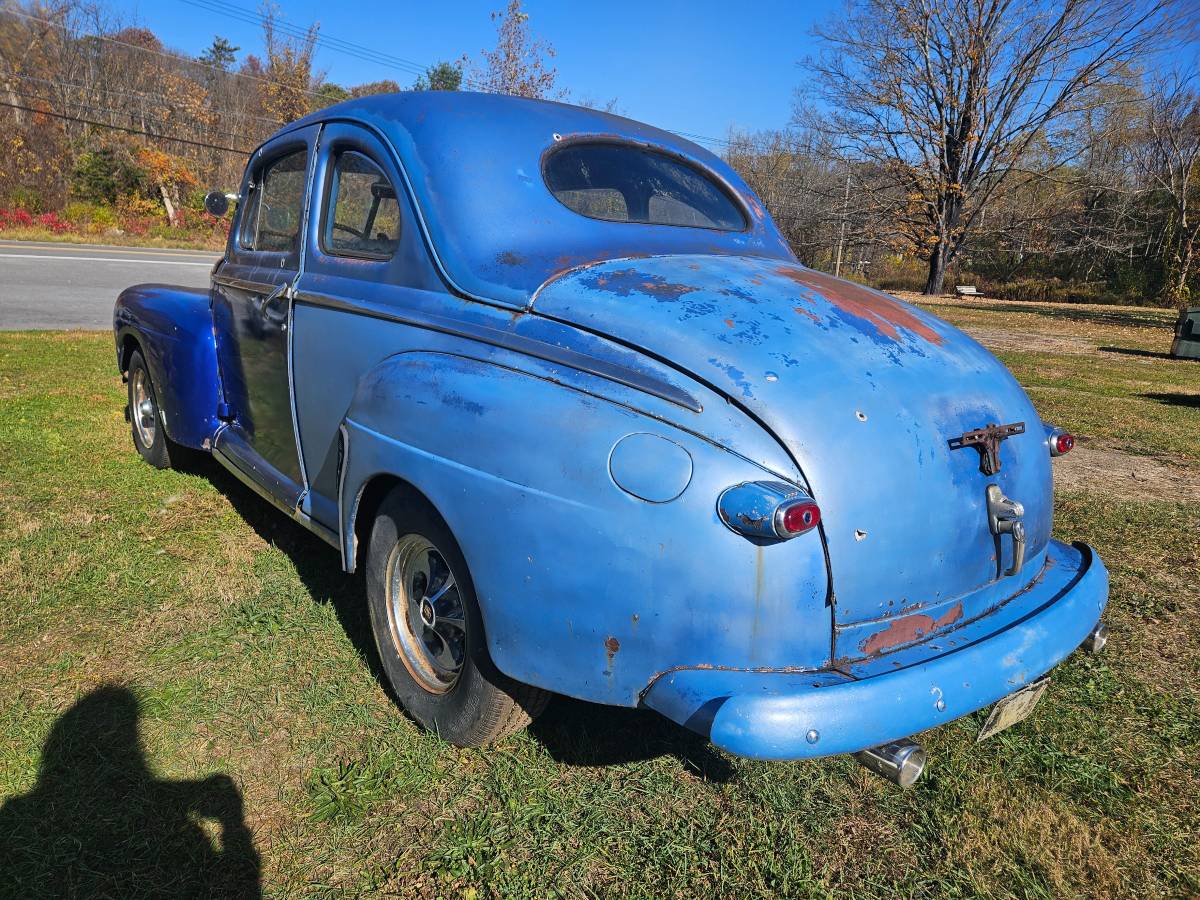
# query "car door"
(252, 309)
(359, 251)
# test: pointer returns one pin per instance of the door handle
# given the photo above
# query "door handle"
(268, 299)
(1004, 517)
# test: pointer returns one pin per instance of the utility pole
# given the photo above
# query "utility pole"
(837, 265)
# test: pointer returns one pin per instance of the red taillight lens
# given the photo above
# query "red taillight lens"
(768, 511)
(1063, 443)
(798, 518)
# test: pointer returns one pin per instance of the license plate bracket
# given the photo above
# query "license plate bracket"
(1014, 708)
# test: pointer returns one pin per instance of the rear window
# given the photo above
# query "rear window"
(623, 183)
(362, 217)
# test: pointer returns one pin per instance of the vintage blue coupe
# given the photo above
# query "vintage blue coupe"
(555, 381)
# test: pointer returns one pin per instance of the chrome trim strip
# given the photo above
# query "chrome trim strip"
(325, 534)
(295, 514)
(343, 465)
(230, 463)
(291, 357)
(245, 284)
(506, 340)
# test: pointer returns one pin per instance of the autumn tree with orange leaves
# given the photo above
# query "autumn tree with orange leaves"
(170, 175)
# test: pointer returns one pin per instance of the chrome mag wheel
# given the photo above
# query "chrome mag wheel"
(426, 618)
(141, 408)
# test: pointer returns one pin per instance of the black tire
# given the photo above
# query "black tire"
(149, 436)
(480, 705)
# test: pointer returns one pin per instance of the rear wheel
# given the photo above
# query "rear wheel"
(429, 631)
(145, 416)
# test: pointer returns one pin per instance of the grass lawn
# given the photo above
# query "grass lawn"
(190, 704)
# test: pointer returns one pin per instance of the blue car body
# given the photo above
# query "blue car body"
(574, 396)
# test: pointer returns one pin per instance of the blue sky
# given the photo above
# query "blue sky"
(700, 66)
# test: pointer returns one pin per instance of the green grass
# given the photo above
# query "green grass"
(190, 704)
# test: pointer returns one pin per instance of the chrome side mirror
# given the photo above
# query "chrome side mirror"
(216, 203)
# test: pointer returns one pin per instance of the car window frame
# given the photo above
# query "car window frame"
(713, 177)
(252, 208)
(325, 220)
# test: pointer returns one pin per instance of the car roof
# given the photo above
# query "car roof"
(473, 163)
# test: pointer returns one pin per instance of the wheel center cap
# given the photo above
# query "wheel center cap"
(428, 616)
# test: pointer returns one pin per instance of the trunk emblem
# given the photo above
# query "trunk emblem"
(987, 441)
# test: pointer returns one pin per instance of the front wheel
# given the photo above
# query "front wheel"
(429, 631)
(145, 416)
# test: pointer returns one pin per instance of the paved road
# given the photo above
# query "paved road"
(50, 285)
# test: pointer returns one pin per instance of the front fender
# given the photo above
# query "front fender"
(173, 328)
(585, 588)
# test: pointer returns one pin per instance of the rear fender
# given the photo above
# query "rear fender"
(172, 326)
(585, 588)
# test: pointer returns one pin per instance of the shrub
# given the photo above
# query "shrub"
(15, 218)
(136, 226)
(895, 272)
(1056, 290)
(54, 223)
(104, 175)
(81, 214)
(28, 199)
(135, 206)
(103, 219)
(203, 223)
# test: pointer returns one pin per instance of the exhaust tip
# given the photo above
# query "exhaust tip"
(1095, 641)
(900, 762)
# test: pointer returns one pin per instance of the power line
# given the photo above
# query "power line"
(369, 54)
(138, 95)
(105, 110)
(349, 48)
(358, 51)
(161, 137)
(174, 57)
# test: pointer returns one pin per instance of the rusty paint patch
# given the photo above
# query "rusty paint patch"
(807, 312)
(729, 323)
(508, 258)
(611, 647)
(624, 282)
(886, 314)
(751, 521)
(908, 629)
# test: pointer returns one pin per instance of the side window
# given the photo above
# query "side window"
(362, 216)
(273, 223)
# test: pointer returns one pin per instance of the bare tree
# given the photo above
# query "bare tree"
(1171, 164)
(520, 62)
(800, 185)
(946, 97)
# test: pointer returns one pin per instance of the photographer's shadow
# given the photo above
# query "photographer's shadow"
(100, 823)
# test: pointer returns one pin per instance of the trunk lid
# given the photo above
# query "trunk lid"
(866, 393)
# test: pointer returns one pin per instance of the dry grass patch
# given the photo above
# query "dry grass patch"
(1114, 473)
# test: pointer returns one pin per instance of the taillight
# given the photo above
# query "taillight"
(797, 517)
(768, 511)
(1059, 441)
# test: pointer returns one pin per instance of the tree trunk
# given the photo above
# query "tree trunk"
(166, 199)
(937, 270)
(1183, 269)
